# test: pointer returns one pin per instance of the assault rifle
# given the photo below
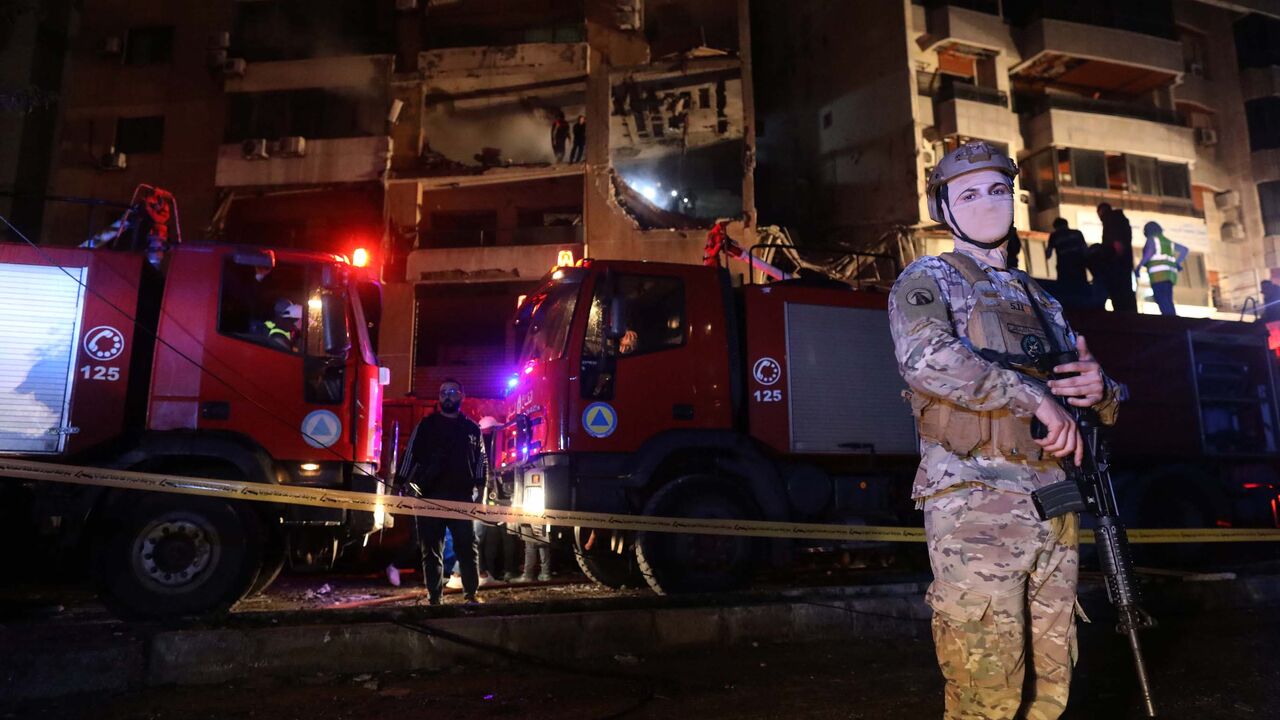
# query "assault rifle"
(1088, 487)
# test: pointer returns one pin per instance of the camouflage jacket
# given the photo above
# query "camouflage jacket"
(935, 358)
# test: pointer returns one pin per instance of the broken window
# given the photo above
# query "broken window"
(492, 127)
(676, 141)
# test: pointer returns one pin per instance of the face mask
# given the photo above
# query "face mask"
(294, 312)
(985, 220)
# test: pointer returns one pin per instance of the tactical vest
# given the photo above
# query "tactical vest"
(1163, 265)
(1009, 333)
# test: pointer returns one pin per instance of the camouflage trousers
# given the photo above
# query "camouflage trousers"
(1004, 581)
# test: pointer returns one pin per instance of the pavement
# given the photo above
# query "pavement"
(344, 627)
(1204, 665)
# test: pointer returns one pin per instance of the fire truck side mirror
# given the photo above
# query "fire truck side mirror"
(617, 326)
(337, 339)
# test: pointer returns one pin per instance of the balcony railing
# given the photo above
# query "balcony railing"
(973, 93)
(1043, 103)
(556, 235)
(1067, 195)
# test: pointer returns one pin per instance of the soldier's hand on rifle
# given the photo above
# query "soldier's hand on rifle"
(1086, 388)
(1063, 436)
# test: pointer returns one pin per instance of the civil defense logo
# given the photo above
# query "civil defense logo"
(321, 428)
(104, 343)
(599, 420)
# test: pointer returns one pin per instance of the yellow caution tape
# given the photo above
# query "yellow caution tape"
(371, 502)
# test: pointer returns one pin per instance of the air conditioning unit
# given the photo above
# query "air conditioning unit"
(1206, 137)
(113, 160)
(1232, 232)
(1226, 200)
(113, 45)
(406, 4)
(293, 146)
(220, 41)
(254, 149)
(1196, 68)
(234, 68)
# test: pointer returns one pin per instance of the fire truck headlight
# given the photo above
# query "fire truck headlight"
(535, 500)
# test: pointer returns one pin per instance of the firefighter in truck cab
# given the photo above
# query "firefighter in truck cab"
(967, 332)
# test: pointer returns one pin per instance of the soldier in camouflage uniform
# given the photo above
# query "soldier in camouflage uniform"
(966, 333)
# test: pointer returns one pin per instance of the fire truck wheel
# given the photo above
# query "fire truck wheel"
(678, 563)
(608, 561)
(175, 556)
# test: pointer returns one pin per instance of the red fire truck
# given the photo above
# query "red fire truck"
(666, 390)
(188, 361)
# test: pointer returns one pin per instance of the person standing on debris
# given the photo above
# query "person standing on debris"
(559, 137)
(1004, 582)
(445, 460)
(1071, 247)
(1117, 239)
(1163, 260)
(579, 151)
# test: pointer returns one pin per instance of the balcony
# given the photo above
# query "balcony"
(1131, 202)
(971, 111)
(1107, 126)
(1195, 90)
(1096, 42)
(1105, 107)
(354, 71)
(963, 28)
(542, 67)
(487, 263)
(341, 160)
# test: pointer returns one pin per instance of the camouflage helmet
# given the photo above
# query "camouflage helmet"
(977, 155)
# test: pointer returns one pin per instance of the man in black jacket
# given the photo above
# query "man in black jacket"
(445, 460)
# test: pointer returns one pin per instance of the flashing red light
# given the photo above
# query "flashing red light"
(360, 257)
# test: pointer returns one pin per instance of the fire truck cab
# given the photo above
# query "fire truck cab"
(660, 389)
(217, 361)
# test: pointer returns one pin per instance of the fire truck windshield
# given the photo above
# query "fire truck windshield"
(544, 320)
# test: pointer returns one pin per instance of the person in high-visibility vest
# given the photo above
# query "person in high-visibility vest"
(282, 329)
(1163, 259)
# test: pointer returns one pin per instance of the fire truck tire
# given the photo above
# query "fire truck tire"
(167, 556)
(603, 564)
(677, 563)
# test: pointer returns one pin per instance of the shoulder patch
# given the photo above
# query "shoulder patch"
(919, 297)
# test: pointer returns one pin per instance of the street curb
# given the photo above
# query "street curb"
(123, 656)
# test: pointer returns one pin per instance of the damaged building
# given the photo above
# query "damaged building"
(605, 130)
(1160, 107)
(469, 146)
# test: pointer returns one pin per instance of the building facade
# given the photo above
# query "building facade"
(441, 136)
(1162, 108)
